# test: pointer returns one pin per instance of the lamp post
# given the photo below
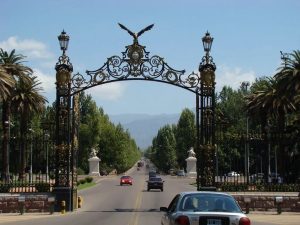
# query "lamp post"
(244, 86)
(63, 187)
(47, 159)
(7, 124)
(31, 142)
(205, 107)
(267, 128)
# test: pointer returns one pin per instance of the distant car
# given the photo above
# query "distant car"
(172, 172)
(155, 183)
(152, 174)
(103, 173)
(233, 174)
(126, 180)
(180, 173)
(203, 208)
(257, 178)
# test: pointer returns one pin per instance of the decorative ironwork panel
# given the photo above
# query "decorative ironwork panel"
(135, 64)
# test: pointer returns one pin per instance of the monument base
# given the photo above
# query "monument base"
(96, 174)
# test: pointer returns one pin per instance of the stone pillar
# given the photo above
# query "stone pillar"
(94, 166)
(94, 163)
(191, 162)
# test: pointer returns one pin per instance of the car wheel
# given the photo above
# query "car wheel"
(148, 189)
(121, 184)
(162, 189)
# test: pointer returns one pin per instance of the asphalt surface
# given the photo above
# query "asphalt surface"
(112, 204)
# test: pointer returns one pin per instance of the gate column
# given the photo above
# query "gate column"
(205, 119)
(63, 187)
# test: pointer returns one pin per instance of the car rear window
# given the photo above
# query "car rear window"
(155, 179)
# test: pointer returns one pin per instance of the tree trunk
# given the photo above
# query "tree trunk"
(5, 142)
(23, 138)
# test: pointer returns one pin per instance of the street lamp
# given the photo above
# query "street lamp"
(244, 86)
(47, 164)
(205, 107)
(31, 142)
(267, 128)
(6, 152)
(63, 41)
(207, 41)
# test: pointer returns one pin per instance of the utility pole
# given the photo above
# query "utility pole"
(244, 86)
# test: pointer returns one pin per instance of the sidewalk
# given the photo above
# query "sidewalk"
(286, 218)
(15, 217)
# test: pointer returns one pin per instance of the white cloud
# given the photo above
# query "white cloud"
(47, 81)
(111, 91)
(29, 47)
(232, 77)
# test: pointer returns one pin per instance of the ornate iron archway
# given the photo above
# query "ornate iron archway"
(134, 64)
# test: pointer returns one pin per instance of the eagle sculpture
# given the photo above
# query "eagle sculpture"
(136, 35)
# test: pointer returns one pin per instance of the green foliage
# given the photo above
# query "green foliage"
(185, 134)
(165, 149)
(82, 181)
(80, 171)
(42, 187)
(4, 188)
(89, 179)
(117, 150)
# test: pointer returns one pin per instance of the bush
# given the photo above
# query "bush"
(80, 171)
(4, 188)
(89, 179)
(82, 181)
(42, 187)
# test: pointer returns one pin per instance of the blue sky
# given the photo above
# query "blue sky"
(248, 38)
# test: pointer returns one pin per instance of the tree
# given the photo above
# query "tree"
(13, 66)
(185, 136)
(27, 101)
(165, 155)
(6, 84)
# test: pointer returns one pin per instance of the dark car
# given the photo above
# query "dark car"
(155, 183)
(152, 174)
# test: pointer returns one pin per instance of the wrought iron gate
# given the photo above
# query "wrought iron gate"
(134, 64)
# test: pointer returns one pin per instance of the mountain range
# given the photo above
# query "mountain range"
(143, 127)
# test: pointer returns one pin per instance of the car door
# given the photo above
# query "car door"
(168, 217)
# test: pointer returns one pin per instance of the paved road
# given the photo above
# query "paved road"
(108, 203)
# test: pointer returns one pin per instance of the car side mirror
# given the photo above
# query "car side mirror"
(163, 209)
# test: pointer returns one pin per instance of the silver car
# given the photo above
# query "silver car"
(203, 208)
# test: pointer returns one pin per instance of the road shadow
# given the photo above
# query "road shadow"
(124, 210)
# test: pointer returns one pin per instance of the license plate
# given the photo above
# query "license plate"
(214, 222)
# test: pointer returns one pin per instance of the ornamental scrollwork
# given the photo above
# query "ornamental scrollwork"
(135, 63)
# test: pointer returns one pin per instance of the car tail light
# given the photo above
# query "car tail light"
(244, 221)
(182, 220)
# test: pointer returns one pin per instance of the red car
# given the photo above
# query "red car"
(126, 180)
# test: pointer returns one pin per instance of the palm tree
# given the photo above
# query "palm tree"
(268, 101)
(6, 84)
(289, 74)
(27, 101)
(13, 67)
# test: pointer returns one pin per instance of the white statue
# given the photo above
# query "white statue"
(191, 152)
(93, 152)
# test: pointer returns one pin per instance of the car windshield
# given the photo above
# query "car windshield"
(125, 177)
(209, 203)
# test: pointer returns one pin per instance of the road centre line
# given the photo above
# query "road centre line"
(135, 217)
